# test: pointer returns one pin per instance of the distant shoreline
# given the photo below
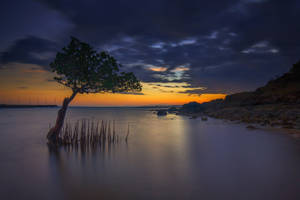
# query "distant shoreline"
(27, 106)
(55, 106)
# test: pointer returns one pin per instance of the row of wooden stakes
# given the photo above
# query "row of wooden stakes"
(89, 132)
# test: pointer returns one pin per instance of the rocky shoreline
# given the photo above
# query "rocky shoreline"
(276, 118)
(279, 118)
(283, 116)
(275, 105)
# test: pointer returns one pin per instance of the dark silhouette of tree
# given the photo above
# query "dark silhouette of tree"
(84, 70)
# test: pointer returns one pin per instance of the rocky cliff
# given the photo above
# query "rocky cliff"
(276, 104)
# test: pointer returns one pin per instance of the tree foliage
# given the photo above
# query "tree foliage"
(84, 70)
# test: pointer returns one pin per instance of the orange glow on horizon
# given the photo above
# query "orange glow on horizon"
(56, 97)
(33, 85)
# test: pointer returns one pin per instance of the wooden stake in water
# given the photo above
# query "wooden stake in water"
(126, 138)
(114, 131)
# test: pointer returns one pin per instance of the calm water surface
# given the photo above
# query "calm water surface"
(169, 157)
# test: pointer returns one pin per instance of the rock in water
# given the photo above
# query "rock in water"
(251, 127)
(161, 113)
(204, 118)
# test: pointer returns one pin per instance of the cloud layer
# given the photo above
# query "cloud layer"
(223, 46)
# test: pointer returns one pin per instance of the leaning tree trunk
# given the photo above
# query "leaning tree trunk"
(53, 134)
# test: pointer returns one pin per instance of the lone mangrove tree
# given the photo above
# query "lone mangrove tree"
(84, 70)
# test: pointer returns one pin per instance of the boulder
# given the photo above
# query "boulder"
(162, 113)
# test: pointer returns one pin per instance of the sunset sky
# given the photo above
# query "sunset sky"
(182, 51)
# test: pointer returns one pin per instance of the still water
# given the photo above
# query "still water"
(170, 157)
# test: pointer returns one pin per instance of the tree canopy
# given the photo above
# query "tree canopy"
(85, 70)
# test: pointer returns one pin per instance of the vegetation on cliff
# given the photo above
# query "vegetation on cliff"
(276, 104)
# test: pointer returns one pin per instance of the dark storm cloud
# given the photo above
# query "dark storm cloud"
(19, 18)
(225, 46)
(156, 19)
(274, 21)
(30, 50)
